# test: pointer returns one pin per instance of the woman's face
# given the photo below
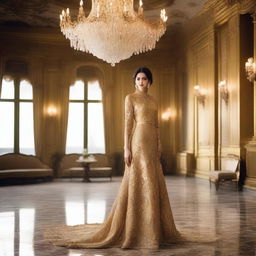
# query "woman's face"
(141, 82)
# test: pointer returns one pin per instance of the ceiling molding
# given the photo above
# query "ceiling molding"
(228, 6)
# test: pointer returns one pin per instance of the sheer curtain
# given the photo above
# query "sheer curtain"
(36, 77)
(96, 143)
(68, 79)
(106, 103)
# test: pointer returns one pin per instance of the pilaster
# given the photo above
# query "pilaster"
(251, 146)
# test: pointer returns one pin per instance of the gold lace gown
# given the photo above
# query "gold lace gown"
(141, 215)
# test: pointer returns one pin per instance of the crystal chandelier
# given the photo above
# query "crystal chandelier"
(113, 31)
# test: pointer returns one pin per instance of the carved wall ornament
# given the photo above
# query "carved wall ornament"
(254, 17)
(224, 94)
(221, 8)
(250, 69)
(200, 94)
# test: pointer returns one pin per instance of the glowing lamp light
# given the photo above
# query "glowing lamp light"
(52, 110)
(200, 94)
(168, 114)
(250, 69)
(224, 94)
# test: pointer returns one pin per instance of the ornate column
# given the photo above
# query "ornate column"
(251, 146)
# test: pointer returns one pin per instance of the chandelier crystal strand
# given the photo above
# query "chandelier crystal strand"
(113, 30)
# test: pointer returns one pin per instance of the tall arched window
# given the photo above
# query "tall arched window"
(16, 115)
(85, 118)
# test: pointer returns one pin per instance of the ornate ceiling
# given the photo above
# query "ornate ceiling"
(38, 13)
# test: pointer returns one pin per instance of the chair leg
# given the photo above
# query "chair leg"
(210, 183)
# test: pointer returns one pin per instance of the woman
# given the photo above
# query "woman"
(141, 216)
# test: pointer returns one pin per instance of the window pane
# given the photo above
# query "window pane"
(75, 133)
(6, 127)
(26, 90)
(7, 91)
(96, 141)
(27, 144)
(94, 91)
(76, 91)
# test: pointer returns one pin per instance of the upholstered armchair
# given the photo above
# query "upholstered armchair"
(229, 171)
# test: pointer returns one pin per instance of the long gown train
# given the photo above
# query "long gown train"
(141, 215)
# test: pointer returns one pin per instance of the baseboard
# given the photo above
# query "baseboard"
(250, 183)
(202, 174)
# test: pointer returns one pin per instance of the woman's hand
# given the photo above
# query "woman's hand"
(127, 156)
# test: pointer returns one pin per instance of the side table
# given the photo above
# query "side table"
(86, 165)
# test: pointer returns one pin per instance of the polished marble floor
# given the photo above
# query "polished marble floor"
(27, 210)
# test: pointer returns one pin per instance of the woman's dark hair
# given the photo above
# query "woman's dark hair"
(146, 71)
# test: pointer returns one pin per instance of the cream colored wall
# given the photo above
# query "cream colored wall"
(214, 52)
(228, 50)
(202, 68)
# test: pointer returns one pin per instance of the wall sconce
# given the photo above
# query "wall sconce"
(168, 114)
(200, 94)
(224, 94)
(250, 70)
(51, 111)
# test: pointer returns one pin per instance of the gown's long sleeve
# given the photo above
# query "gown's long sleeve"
(159, 145)
(128, 124)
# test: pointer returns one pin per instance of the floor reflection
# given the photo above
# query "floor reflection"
(27, 224)
(74, 254)
(75, 211)
(21, 223)
(92, 252)
(7, 233)
(96, 210)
